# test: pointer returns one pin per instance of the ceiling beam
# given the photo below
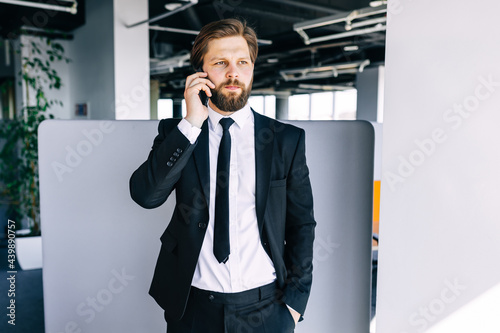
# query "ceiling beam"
(194, 32)
(167, 14)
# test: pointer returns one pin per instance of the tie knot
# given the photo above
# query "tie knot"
(226, 123)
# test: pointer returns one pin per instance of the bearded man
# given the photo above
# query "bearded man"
(236, 255)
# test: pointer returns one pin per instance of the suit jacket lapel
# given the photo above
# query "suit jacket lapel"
(202, 162)
(264, 143)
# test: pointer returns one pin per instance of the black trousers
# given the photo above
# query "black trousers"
(257, 310)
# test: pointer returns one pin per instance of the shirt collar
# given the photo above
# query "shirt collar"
(240, 117)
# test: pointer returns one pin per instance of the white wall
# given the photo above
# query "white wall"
(440, 230)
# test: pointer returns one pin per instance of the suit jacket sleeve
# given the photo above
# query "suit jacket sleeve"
(299, 231)
(154, 180)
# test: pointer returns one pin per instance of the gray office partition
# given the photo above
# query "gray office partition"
(99, 247)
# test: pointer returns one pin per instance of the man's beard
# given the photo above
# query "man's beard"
(231, 101)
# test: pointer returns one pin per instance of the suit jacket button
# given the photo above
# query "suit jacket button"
(169, 163)
(211, 297)
(179, 150)
(202, 225)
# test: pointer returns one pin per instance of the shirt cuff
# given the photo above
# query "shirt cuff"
(190, 132)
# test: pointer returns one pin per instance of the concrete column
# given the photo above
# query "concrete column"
(110, 62)
(92, 67)
(281, 107)
(154, 96)
(177, 108)
(131, 59)
(370, 87)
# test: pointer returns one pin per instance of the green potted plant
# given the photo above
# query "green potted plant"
(19, 154)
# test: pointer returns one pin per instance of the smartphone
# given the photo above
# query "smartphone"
(202, 94)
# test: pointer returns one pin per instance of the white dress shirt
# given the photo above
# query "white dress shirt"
(248, 266)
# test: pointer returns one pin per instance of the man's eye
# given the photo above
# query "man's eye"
(220, 63)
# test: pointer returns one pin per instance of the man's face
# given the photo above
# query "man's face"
(230, 68)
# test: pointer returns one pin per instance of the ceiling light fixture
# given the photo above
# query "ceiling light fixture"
(71, 10)
(351, 48)
(189, 3)
(378, 3)
(168, 65)
(372, 19)
(323, 72)
(172, 6)
(324, 87)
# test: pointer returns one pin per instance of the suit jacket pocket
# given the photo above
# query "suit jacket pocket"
(275, 214)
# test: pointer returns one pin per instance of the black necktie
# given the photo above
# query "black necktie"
(221, 228)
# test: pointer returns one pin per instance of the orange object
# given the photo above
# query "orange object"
(376, 208)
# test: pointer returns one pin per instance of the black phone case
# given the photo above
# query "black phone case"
(202, 94)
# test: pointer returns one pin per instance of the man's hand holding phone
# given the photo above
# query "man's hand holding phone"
(196, 84)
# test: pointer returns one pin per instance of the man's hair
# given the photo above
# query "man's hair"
(221, 29)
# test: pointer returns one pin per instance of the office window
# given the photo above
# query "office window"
(270, 104)
(345, 105)
(298, 107)
(257, 103)
(317, 106)
(265, 105)
(322, 106)
(184, 110)
(165, 108)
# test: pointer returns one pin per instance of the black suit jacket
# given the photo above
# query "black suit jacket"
(283, 203)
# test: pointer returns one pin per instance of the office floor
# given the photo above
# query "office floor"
(28, 298)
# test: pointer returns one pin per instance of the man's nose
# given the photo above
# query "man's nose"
(232, 71)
